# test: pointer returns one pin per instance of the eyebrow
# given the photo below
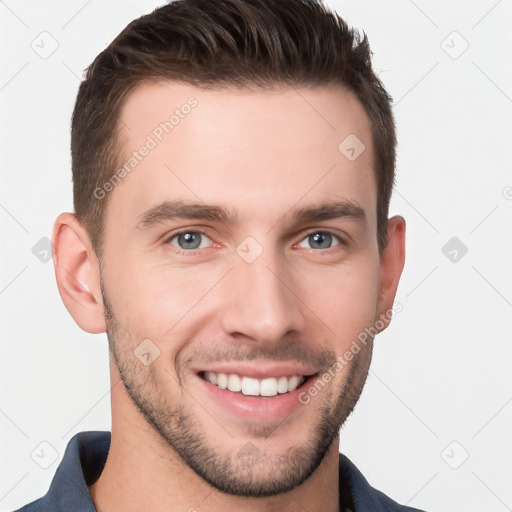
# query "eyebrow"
(173, 210)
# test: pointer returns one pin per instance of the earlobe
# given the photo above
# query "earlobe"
(77, 273)
(391, 265)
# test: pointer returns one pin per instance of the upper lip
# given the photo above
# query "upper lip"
(259, 371)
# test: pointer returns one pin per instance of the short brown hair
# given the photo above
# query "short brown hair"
(242, 43)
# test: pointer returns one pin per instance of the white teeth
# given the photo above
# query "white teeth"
(234, 383)
(254, 387)
(293, 383)
(222, 380)
(250, 386)
(282, 385)
(268, 387)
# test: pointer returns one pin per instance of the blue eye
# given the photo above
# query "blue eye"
(188, 240)
(321, 240)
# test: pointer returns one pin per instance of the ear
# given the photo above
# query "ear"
(77, 273)
(391, 265)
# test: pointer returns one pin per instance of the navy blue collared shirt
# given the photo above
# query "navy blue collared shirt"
(86, 455)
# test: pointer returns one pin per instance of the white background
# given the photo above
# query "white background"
(439, 389)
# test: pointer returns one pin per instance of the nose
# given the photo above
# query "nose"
(261, 303)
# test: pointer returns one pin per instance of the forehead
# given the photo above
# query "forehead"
(249, 150)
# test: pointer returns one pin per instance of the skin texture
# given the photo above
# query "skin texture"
(261, 154)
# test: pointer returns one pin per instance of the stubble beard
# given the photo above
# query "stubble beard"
(249, 471)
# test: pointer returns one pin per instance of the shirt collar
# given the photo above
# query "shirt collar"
(86, 455)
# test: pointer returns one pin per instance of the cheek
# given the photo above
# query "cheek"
(346, 301)
(156, 301)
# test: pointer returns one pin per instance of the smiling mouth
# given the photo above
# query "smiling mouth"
(249, 386)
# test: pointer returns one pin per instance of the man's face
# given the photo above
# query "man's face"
(261, 296)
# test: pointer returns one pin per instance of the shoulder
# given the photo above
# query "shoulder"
(365, 498)
(35, 506)
(81, 465)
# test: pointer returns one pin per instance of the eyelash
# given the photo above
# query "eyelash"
(193, 252)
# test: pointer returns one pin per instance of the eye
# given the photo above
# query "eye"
(321, 240)
(189, 240)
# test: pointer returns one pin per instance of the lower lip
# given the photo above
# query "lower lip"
(255, 408)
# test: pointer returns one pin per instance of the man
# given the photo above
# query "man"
(233, 163)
